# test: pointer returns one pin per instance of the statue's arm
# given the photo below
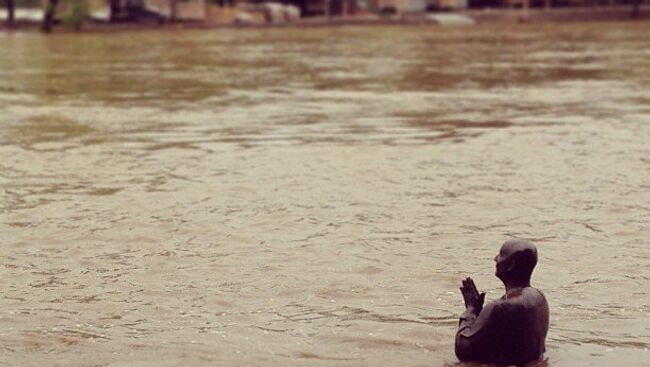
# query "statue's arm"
(477, 333)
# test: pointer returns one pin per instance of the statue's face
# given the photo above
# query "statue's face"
(502, 262)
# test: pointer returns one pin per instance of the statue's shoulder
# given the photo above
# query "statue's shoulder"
(524, 299)
(535, 295)
(532, 299)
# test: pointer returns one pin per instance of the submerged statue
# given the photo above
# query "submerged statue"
(512, 329)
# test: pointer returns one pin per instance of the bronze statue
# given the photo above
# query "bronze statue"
(512, 329)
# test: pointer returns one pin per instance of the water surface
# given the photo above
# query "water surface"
(314, 196)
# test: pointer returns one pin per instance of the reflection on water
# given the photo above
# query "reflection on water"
(310, 196)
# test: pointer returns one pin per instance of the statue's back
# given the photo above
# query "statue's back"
(527, 319)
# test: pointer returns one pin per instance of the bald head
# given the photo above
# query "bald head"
(516, 261)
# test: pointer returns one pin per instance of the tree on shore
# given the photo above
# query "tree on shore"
(76, 14)
(172, 10)
(114, 6)
(11, 12)
(48, 17)
(635, 8)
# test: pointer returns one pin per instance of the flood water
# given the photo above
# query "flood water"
(314, 196)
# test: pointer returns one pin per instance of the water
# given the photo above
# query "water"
(314, 196)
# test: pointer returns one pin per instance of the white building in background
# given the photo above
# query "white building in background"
(32, 15)
(100, 9)
(178, 9)
(416, 5)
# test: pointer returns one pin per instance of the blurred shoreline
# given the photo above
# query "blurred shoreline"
(475, 16)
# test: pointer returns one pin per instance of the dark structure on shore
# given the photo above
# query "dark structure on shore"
(11, 11)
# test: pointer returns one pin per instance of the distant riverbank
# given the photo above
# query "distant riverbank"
(474, 16)
(557, 14)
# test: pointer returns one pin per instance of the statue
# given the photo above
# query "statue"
(512, 329)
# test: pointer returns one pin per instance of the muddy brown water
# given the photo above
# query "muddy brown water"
(314, 196)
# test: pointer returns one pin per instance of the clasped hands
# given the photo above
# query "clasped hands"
(473, 300)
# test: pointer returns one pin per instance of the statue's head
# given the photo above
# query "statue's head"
(516, 261)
